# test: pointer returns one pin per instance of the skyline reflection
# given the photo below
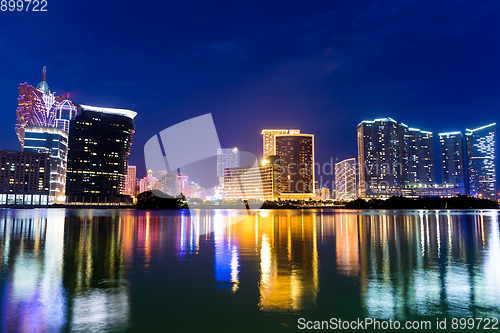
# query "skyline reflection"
(77, 270)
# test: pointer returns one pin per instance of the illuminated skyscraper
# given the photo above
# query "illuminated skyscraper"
(54, 142)
(226, 158)
(452, 159)
(99, 145)
(379, 157)
(480, 143)
(42, 127)
(40, 108)
(296, 160)
(417, 156)
(345, 180)
(268, 141)
(130, 180)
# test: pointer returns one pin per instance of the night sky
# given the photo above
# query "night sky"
(321, 67)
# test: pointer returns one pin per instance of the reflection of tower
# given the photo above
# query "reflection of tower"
(347, 245)
(226, 261)
(101, 301)
(34, 298)
(289, 263)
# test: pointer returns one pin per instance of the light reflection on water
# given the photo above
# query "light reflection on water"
(77, 270)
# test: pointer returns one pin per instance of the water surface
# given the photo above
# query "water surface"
(147, 271)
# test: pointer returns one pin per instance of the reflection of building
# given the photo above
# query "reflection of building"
(443, 246)
(24, 178)
(347, 244)
(452, 159)
(296, 161)
(379, 158)
(269, 146)
(33, 297)
(480, 143)
(345, 179)
(257, 182)
(130, 180)
(227, 158)
(417, 156)
(226, 256)
(99, 145)
(95, 276)
(54, 142)
(289, 263)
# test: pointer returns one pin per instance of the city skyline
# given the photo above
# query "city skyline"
(322, 68)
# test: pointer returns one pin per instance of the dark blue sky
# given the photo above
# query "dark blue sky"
(322, 67)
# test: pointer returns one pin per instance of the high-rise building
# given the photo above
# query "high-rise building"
(226, 158)
(42, 127)
(99, 145)
(379, 157)
(452, 159)
(296, 160)
(480, 143)
(41, 108)
(24, 178)
(149, 183)
(253, 183)
(345, 180)
(269, 146)
(54, 142)
(417, 156)
(130, 180)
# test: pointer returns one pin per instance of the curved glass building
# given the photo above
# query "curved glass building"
(99, 145)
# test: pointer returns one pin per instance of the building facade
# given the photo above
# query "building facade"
(296, 162)
(130, 180)
(24, 178)
(252, 183)
(345, 180)
(481, 161)
(417, 156)
(379, 157)
(52, 141)
(269, 145)
(452, 159)
(99, 145)
(41, 108)
(226, 158)
(42, 127)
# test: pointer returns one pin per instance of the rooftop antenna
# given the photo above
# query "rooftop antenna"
(44, 72)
